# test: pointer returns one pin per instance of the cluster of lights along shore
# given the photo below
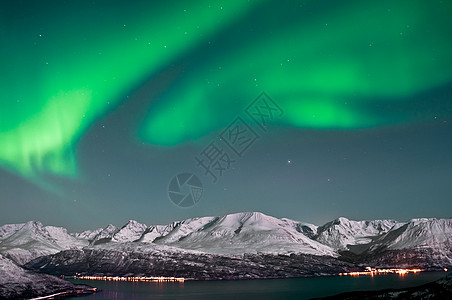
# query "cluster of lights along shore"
(129, 278)
(374, 271)
(369, 271)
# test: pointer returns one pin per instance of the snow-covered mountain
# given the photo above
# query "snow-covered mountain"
(128, 259)
(9, 229)
(419, 233)
(245, 233)
(104, 235)
(309, 230)
(238, 233)
(235, 246)
(425, 243)
(18, 283)
(254, 245)
(181, 229)
(343, 232)
(242, 233)
(23, 242)
(87, 234)
(130, 232)
(157, 231)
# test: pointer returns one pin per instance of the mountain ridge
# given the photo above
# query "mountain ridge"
(239, 234)
(248, 245)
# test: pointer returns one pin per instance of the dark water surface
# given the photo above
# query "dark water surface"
(297, 288)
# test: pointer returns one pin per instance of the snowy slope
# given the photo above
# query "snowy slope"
(309, 230)
(8, 269)
(181, 229)
(233, 234)
(105, 235)
(419, 233)
(342, 232)
(32, 239)
(242, 233)
(18, 283)
(87, 234)
(157, 231)
(9, 229)
(175, 230)
(130, 232)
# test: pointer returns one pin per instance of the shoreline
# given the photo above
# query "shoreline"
(66, 294)
(125, 278)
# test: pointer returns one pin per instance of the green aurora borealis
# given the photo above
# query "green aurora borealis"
(69, 70)
(323, 71)
(343, 65)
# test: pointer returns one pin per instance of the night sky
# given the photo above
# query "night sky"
(316, 109)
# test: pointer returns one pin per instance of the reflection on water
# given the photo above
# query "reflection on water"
(297, 288)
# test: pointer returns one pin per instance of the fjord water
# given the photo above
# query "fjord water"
(294, 288)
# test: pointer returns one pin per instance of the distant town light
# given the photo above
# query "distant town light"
(371, 271)
(142, 278)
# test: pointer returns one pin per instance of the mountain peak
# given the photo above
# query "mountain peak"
(130, 232)
(110, 227)
(422, 220)
(105, 234)
(343, 232)
(131, 222)
(249, 218)
(247, 215)
(418, 233)
(237, 233)
(246, 232)
(342, 220)
(33, 224)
